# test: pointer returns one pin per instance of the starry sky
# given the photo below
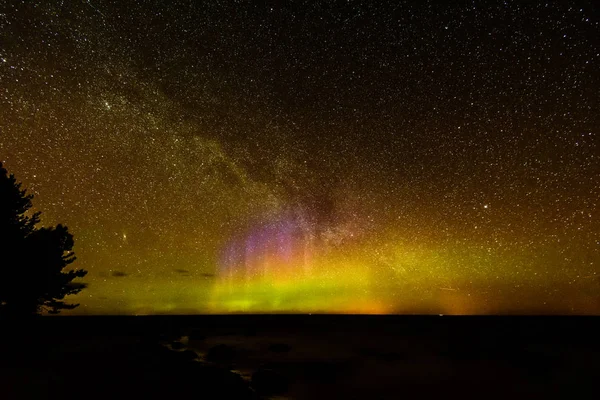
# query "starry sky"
(307, 156)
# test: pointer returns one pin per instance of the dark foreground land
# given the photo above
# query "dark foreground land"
(300, 356)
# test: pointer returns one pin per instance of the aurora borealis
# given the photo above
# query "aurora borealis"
(360, 157)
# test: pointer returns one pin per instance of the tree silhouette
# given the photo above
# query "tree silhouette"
(31, 258)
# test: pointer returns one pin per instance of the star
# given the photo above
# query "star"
(303, 158)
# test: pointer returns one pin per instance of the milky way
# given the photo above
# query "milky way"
(313, 156)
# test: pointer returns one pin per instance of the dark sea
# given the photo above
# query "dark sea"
(346, 356)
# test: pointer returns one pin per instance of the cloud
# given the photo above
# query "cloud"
(118, 274)
(206, 275)
(181, 271)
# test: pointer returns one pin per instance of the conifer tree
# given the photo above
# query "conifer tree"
(32, 259)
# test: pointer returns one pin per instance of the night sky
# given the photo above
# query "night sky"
(355, 156)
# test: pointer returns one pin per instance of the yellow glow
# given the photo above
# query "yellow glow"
(323, 286)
